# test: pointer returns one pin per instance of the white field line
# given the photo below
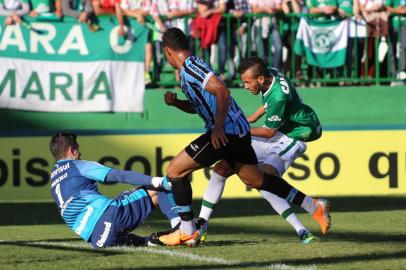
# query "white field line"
(170, 253)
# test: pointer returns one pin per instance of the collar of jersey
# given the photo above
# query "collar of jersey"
(62, 160)
(269, 89)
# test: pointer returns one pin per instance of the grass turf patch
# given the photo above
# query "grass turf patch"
(367, 233)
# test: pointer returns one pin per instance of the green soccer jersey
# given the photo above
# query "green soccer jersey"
(285, 111)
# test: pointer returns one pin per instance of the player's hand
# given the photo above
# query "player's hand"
(16, 18)
(9, 20)
(33, 13)
(58, 14)
(329, 10)
(218, 138)
(121, 31)
(170, 98)
(82, 17)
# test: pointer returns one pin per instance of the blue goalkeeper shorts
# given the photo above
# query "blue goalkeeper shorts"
(126, 212)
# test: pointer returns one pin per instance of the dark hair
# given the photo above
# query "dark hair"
(175, 39)
(255, 64)
(61, 142)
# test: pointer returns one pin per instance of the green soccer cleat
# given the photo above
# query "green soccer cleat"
(201, 225)
(203, 237)
(307, 237)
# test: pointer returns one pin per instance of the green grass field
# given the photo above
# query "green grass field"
(367, 233)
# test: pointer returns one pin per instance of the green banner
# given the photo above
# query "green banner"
(69, 40)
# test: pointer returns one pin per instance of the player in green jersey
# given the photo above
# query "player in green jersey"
(289, 124)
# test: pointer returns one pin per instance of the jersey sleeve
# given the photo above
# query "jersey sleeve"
(92, 170)
(274, 114)
(198, 72)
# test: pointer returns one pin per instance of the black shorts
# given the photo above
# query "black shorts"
(238, 149)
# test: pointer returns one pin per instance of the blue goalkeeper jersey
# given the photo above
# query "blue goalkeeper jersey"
(74, 189)
(194, 75)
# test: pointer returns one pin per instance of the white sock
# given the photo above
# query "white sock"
(188, 227)
(212, 195)
(175, 221)
(283, 208)
(309, 205)
(293, 220)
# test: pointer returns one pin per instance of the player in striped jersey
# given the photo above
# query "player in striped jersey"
(94, 217)
(227, 137)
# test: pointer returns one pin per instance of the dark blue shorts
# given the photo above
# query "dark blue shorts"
(126, 212)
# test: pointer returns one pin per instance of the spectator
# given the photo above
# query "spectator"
(80, 9)
(397, 34)
(159, 12)
(179, 10)
(324, 9)
(139, 9)
(376, 16)
(267, 27)
(292, 8)
(239, 29)
(168, 14)
(102, 7)
(205, 9)
(346, 10)
(14, 10)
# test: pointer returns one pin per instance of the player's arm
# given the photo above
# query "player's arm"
(274, 119)
(256, 115)
(104, 174)
(171, 99)
(216, 87)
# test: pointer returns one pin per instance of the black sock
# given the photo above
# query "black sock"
(283, 189)
(182, 193)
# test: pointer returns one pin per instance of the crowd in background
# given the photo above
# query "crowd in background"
(205, 20)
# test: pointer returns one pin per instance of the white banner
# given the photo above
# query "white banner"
(64, 67)
(72, 87)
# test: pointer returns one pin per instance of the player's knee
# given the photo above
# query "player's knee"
(252, 183)
(172, 171)
(222, 168)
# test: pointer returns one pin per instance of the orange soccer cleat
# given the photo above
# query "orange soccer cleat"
(176, 238)
(322, 214)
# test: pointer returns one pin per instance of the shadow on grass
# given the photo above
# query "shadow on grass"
(46, 213)
(284, 264)
(54, 244)
(232, 264)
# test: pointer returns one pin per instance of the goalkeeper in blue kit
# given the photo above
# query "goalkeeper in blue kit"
(98, 219)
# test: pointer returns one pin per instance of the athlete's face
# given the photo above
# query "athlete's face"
(252, 83)
(169, 54)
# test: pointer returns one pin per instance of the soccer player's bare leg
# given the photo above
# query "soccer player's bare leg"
(177, 172)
